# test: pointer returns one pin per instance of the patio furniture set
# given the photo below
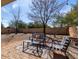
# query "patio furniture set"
(36, 45)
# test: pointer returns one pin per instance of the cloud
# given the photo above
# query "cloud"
(14, 6)
(4, 10)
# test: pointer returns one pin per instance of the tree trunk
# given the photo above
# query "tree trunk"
(16, 27)
(61, 25)
(16, 31)
(44, 31)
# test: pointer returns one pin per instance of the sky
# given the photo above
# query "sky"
(24, 5)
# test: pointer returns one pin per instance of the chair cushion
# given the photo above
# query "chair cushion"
(65, 39)
(63, 43)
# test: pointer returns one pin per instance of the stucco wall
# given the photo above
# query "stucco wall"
(57, 31)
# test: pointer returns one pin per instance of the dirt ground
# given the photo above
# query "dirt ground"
(9, 48)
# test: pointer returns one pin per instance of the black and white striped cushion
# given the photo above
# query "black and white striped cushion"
(66, 44)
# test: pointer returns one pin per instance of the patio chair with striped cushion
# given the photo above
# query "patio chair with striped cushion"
(63, 45)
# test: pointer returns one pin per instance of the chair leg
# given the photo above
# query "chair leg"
(23, 47)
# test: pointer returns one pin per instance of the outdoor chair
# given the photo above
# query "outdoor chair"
(33, 36)
(37, 44)
(34, 41)
(59, 48)
(37, 36)
(63, 45)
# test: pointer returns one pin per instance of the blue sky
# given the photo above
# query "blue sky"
(6, 11)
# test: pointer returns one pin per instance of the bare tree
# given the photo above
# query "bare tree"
(45, 10)
(2, 26)
(16, 18)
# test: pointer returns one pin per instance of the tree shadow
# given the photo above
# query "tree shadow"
(59, 56)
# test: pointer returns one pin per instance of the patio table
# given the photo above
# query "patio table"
(36, 44)
(40, 46)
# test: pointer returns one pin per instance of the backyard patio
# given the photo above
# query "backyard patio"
(12, 47)
(39, 29)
